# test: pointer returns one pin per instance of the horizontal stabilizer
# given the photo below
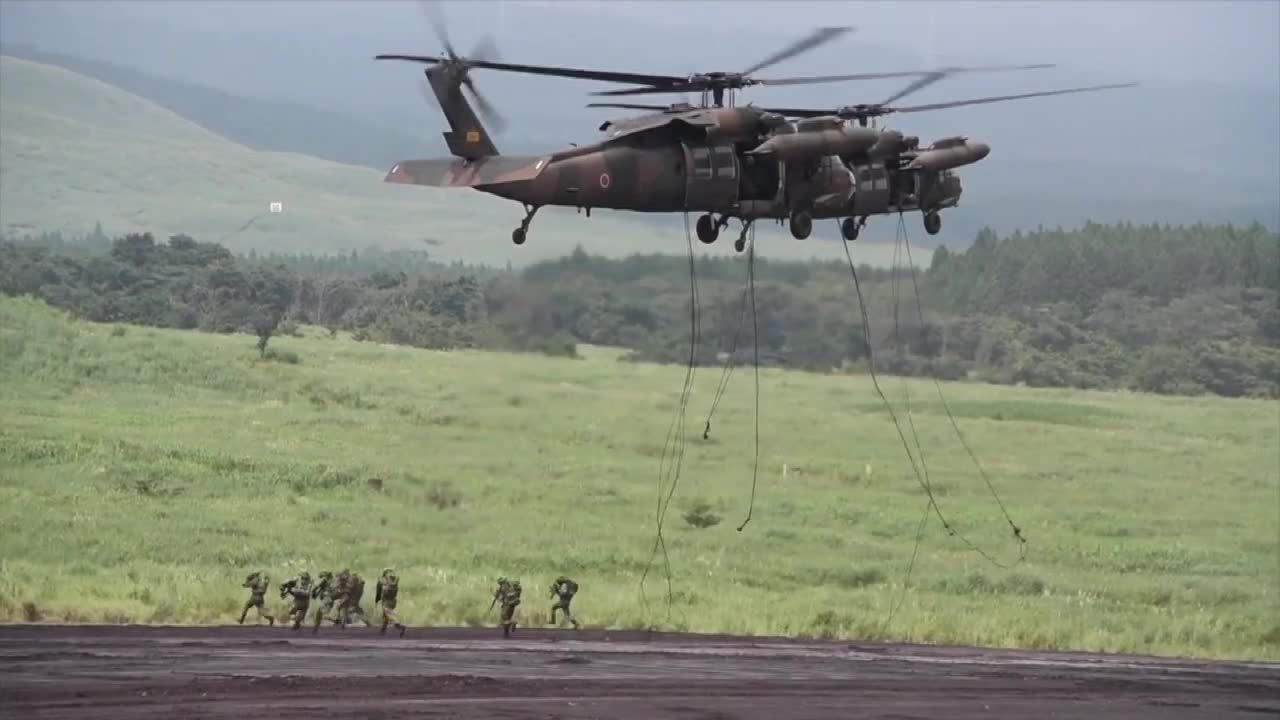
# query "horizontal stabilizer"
(458, 172)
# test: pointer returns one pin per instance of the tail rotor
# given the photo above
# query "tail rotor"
(459, 67)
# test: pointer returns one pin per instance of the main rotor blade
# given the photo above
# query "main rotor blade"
(630, 106)
(804, 44)
(885, 109)
(924, 74)
(581, 74)
(1001, 98)
(681, 87)
(942, 73)
(798, 112)
(429, 59)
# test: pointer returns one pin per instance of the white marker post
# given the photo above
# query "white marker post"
(277, 207)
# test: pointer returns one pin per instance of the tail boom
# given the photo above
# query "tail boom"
(461, 172)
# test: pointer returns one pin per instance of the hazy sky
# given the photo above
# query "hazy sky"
(1202, 41)
(1233, 43)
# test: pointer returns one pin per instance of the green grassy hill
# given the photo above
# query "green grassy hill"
(144, 473)
(78, 151)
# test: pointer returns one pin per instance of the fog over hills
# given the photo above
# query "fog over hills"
(1199, 140)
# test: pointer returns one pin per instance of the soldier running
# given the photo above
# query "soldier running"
(349, 606)
(563, 589)
(327, 594)
(257, 584)
(385, 596)
(508, 593)
(300, 589)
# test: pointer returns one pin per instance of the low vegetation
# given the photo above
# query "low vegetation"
(145, 471)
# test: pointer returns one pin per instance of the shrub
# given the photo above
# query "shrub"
(701, 516)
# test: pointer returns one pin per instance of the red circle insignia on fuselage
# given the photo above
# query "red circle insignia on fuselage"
(604, 180)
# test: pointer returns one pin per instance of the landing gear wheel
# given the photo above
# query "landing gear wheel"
(801, 225)
(932, 222)
(708, 230)
(740, 244)
(518, 235)
(849, 229)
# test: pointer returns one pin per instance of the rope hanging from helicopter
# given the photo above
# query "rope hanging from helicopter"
(902, 243)
(920, 474)
(748, 294)
(676, 432)
(669, 474)
(906, 392)
(1017, 531)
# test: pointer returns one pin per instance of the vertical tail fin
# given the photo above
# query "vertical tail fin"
(467, 137)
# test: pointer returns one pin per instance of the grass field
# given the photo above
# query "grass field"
(82, 151)
(144, 473)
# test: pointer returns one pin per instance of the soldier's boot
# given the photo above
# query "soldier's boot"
(553, 614)
(402, 629)
(383, 631)
(271, 619)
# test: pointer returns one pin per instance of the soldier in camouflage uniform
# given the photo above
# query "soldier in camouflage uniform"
(257, 584)
(326, 593)
(508, 593)
(299, 589)
(563, 590)
(385, 596)
(349, 606)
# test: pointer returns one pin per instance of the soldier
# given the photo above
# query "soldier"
(385, 596)
(563, 589)
(508, 593)
(350, 604)
(325, 592)
(257, 584)
(501, 592)
(300, 589)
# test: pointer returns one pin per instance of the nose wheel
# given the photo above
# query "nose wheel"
(518, 235)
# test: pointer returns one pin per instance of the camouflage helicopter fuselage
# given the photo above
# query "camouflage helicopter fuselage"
(738, 162)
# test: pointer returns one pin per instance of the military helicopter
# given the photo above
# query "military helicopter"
(745, 163)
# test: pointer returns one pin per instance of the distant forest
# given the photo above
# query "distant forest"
(1173, 310)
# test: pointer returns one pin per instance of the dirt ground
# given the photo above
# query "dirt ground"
(143, 672)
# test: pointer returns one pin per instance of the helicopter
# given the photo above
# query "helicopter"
(730, 162)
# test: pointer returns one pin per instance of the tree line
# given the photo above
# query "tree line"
(1178, 310)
